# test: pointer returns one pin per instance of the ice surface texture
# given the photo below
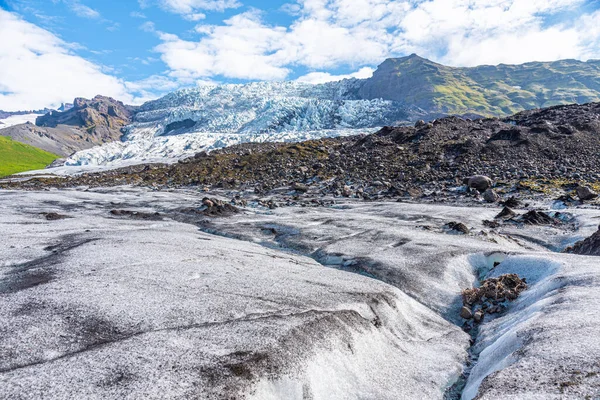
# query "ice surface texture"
(99, 307)
(102, 307)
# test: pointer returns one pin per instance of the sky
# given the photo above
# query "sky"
(52, 51)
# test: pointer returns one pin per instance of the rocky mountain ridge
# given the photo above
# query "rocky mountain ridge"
(87, 124)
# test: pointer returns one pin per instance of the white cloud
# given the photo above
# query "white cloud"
(325, 35)
(328, 34)
(38, 69)
(148, 26)
(137, 14)
(84, 11)
(194, 16)
(243, 48)
(80, 9)
(324, 77)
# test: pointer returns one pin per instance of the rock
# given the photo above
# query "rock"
(589, 246)
(490, 196)
(586, 193)
(490, 295)
(300, 187)
(512, 202)
(506, 213)
(420, 124)
(208, 202)
(136, 215)
(346, 191)
(465, 313)
(480, 183)
(458, 227)
(478, 316)
(534, 217)
(52, 216)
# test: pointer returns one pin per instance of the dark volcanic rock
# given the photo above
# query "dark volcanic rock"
(585, 193)
(458, 227)
(534, 217)
(490, 196)
(136, 215)
(588, 247)
(506, 213)
(52, 216)
(511, 202)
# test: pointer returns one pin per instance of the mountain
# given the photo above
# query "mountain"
(87, 124)
(18, 157)
(486, 90)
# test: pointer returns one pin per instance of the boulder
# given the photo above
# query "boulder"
(480, 183)
(207, 202)
(465, 313)
(478, 316)
(458, 227)
(490, 196)
(586, 193)
(346, 191)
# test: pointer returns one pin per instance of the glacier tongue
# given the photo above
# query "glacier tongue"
(191, 120)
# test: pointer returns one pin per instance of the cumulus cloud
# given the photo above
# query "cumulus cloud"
(242, 48)
(328, 34)
(324, 77)
(38, 69)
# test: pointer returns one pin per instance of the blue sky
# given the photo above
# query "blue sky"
(136, 50)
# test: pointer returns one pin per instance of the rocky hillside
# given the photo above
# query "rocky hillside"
(88, 123)
(485, 90)
(537, 150)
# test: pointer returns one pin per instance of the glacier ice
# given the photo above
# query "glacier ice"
(185, 122)
(95, 306)
(18, 119)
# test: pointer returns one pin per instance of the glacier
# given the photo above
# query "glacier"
(188, 121)
(100, 306)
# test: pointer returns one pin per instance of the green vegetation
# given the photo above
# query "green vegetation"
(486, 90)
(18, 157)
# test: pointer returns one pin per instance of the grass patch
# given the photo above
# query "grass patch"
(19, 157)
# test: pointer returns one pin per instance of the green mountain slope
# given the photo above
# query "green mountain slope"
(18, 157)
(486, 90)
